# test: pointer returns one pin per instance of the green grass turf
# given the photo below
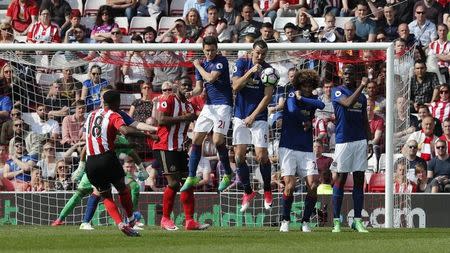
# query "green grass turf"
(220, 240)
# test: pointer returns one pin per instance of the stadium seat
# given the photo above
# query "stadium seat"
(320, 21)
(176, 8)
(88, 21)
(340, 21)
(377, 183)
(123, 24)
(138, 24)
(165, 23)
(127, 99)
(280, 22)
(265, 20)
(91, 7)
(76, 4)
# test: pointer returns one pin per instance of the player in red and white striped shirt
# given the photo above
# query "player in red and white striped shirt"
(441, 108)
(103, 167)
(44, 31)
(441, 49)
(174, 114)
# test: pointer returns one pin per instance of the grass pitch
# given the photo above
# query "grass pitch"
(220, 240)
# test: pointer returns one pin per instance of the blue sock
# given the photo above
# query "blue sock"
(91, 207)
(224, 159)
(310, 203)
(358, 201)
(244, 176)
(286, 202)
(266, 173)
(338, 195)
(194, 159)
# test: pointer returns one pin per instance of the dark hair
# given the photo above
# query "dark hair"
(261, 44)
(210, 40)
(181, 20)
(95, 66)
(289, 25)
(19, 139)
(247, 5)
(80, 103)
(420, 61)
(443, 25)
(101, 10)
(212, 7)
(267, 25)
(150, 29)
(137, 37)
(111, 97)
(306, 76)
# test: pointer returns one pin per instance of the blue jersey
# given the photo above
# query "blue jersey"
(295, 114)
(249, 97)
(349, 121)
(26, 177)
(126, 118)
(219, 92)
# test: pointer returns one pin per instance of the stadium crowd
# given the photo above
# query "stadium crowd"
(41, 126)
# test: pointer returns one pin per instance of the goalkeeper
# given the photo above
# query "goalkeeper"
(85, 187)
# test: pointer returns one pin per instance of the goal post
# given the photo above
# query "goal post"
(390, 89)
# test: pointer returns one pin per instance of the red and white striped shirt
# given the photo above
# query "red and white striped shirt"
(171, 137)
(440, 48)
(101, 127)
(440, 110)
(40, 33)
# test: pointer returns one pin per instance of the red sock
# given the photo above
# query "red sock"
(125, 201)
(112, 209)
(168, 200)
(187, 198)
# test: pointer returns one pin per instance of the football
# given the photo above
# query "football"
(270, 76)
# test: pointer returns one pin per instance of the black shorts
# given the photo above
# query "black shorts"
(172, 162)
(103, 170)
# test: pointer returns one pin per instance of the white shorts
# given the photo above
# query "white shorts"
(215, 117)
(293, 161)
(350, 156)
(257, 134)
(204, 166)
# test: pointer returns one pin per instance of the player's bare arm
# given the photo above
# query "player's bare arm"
(241, 82)
(196, 91)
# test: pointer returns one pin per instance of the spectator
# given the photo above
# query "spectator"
(230, 13)
(75, 21)
(219, 23)
(21, 14)
(63, 181)
(5, 107)
(404, 33)
(151, 8)
(37, 183)
(135, 66)
(404, 10)
(440, 49)
(401, 183)
(70, 87)
(208, 30)
(446, 135)
(410, 160)
(32, 140)
(438, 171)
(7, 127)
(44, 31)
(266, 8)
(59, 107)
(423, 29)
(377, 129)
(441, 109)
(193, 24)
(247, 26)
(90, 92)
(120, 8)
(325, 33)
(323, 163)
(5, 184)
(348, 7)
(405, 122)
(350, 33)
(141, 108)
(306, 25)
(424, 85)
(47, 163)
(41, 124)
(379, 101)
(324, 127)
(425, 138)
(291, 33)
(289, 8)
(6, 33)
(18, 168)
(422, 113)
(201, 6)
(433, 10)
(364, 26)
(389, 23)
(104, 23)
(72, 125)
(76, 34)
(276, 105)
(60, 12)
(149, 34)
(179, 36)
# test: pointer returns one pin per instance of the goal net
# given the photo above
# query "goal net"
(45, 85)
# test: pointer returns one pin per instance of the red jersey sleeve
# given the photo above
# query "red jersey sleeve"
(34, 10)
(165, 104)
(116, 120)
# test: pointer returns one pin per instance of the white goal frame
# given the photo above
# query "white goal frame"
(388, 47)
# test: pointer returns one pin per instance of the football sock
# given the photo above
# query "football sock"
(70, 205)
(224, 159)
(266, 172)
(112, 209)
(310, 203)
(187, 198)
(91, 207)
(286, 202)
(135, 190)
(125, 201)
(338, 195)
(168, 200)
(358, 201)
(194, 159)
(244, 176)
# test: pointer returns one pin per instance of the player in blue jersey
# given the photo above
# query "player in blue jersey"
(352, 135)
(213, 75)
(296, 145)
(250, 124)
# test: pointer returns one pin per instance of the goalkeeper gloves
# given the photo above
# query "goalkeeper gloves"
(142, 174)
(79, 172)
